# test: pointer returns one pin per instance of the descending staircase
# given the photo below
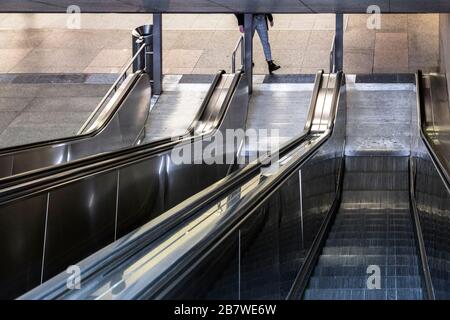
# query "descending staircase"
(372, 227)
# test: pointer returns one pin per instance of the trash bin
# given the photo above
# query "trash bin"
(140, 35)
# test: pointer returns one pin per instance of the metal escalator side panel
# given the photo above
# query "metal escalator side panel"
(431, 200)
(115, 124)
(97, 123)
(124, 127)
(427, 283)
(39, 144)
(238, 235)
(234, 117)
(142, 189)
(434, 120)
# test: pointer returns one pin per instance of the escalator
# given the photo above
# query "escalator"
(313, 224)
(63, 213)
(95, 202)
(122, 123)
(114, 269)
(116, 122)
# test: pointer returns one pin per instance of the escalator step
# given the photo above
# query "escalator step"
(360, 282)
(371, 242)
(369, 250)
(340, 294)
(339, 271)
(351, 227)
(369, 235)
(356, 260)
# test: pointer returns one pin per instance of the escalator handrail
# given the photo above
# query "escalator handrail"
(100, 128)
(316, 90)
(437, 160)
(425, 268)
(112, 89)
(124, 94)
(28, 183)
(127, 246)
(201, 111)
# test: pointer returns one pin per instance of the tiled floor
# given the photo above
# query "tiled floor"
(32, 112)
(203, 43)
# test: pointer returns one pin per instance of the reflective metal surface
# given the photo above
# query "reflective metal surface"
(228, 6)
(436, 116)
(121, 131)
(431, 178)
(88, 212)
(22, 230)
(433, 204)
(268, 236)
(80, 220)
(373, 226)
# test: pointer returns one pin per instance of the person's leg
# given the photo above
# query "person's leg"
(261, 28)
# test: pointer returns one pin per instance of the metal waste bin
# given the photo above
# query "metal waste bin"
(140, 35)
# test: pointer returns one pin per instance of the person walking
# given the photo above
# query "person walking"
(261, 24)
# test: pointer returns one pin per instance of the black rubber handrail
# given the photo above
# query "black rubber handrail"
(39, 179)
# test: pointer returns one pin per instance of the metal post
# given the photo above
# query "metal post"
(157, 53)
(248, 43)
(339, 43)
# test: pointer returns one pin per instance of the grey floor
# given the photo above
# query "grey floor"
(36, 112)
(280, 107)
(379, 119)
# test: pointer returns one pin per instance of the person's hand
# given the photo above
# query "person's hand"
(271, 24)
(241, 29)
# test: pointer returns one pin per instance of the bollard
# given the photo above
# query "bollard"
(145, 60)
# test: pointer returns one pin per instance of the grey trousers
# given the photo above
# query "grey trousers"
(260, 25)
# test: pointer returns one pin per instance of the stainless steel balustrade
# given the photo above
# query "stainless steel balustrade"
(271, 217)
(434, 119)
(116, 122)
(430, 183)
(63, 217)
(158, 256)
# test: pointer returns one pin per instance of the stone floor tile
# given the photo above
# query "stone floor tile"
(191, 40)
(319, 59)
(391, 51)
(180, 58)
(11, 57)
(39, 59)
(358, 61)
(394, 23)
(16, 104)
(111, 58)
(321, 40)
(359, 39)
